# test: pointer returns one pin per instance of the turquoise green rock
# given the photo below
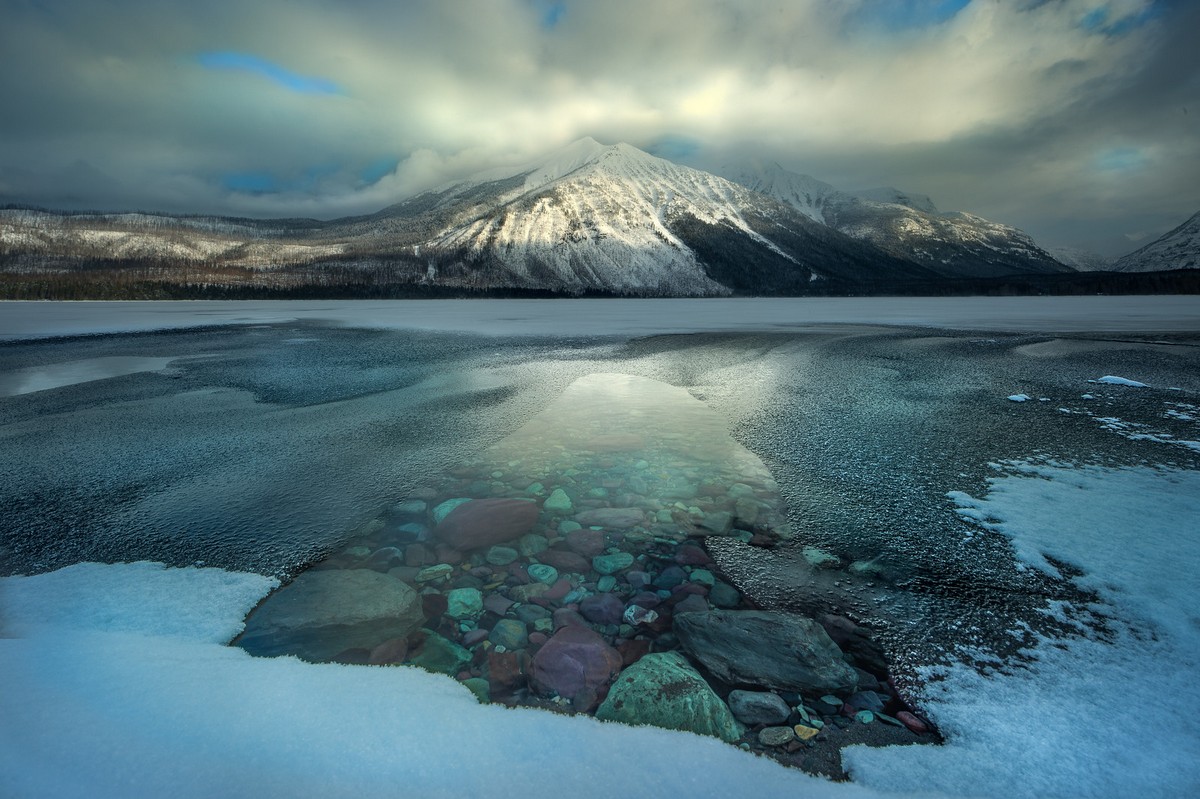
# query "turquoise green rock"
(598, 493)
(558, 502)
(702, 577)
(611, 564)
(864, 717)
(606, 583)
(543, 573)
(464, 603)
(531, 543)
(443, 510)
(640, 465)
(663, 690)
(536, 488)
(479, 687)
(510, 634)
(569, 526)
(410, 508)
(440, 655)
(438, 572)
(501, 556)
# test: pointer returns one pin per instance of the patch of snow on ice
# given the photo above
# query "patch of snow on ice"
(1019, 397)
(1113, 380)
(1075, 722)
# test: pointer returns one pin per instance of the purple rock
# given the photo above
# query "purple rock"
(602, 608)
(497, 603)
(638, 579)
(575, 663)
(587, 543)
(472, 637)
(565, 617)
(646, 599)
(670, 577)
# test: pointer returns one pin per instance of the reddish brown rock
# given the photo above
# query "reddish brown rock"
(576, 663)
(691, 555)
(912, 722)
(486, 522)
(393, 650)
(565, 561)
(433, 605)
(506, 671)
(588, 543)
(633, 649)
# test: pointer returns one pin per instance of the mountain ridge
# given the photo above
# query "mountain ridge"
(587, 218)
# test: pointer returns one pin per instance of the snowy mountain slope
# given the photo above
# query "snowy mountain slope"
(1081, 260)
(1178, 249)
(617, 218)
(891, 196)
(803, 192)
(907, 226)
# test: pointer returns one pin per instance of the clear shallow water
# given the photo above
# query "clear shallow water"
(271, 454)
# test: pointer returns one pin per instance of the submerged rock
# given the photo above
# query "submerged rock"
(663, 690)
(774, 650)
(575, 663)
(325, 612)
(439, 655)
(485, 522)
(613, 518)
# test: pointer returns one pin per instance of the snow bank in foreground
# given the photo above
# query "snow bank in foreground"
(1087, 718)
(118, 687)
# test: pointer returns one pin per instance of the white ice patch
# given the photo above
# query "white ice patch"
(1087, 718)
(119, 687)
(1019, 397)
(1113, 380)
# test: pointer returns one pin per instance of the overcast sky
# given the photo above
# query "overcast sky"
(1076, 120)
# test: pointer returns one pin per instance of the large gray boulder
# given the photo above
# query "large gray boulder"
(770, 649)
(325, 612)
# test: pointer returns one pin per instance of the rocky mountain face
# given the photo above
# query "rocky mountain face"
(1178, 249)
(907, 226)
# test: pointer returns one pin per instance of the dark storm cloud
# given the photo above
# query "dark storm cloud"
(1075, 119)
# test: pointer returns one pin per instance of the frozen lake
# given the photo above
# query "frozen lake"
(260, 437)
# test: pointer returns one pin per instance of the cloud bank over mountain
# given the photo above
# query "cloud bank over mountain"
(1069, 119)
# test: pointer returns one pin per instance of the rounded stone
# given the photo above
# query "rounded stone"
(510, 634)
(501, 556)
(464, 603)
(543, 573)
(776, 736)
(611, 564)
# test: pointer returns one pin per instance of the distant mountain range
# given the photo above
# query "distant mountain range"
(588, 219)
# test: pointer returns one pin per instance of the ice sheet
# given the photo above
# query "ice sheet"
(23, 320)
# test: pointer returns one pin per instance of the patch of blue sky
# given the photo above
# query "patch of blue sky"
(673, 147)
(1120, 159)
(250, 182)
(378, 168)
(245, 62)
(900, 15)
(263, 182)
(550, 12)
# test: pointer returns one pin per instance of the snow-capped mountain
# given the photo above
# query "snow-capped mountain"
(615, 218)
(1178, 249)
(906, 225)
(1081, 260)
